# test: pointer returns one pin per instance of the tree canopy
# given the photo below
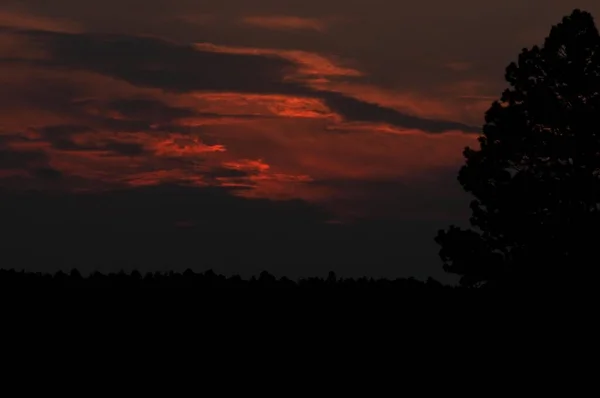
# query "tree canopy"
(535, 215)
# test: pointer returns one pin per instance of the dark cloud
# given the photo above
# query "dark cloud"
(65, 144)
(62, 131)
(152, 110)
(53, 94)
(156, 63)
(225, 172)
(111, 146)
(27, 164)
(48, 173)
(62, 137)
(6, 138)
(356, 110)
(138, 114)
(117, 125)
(125, 148)
(152, 62)
(16, 160)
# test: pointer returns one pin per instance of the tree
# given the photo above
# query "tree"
(535, 176)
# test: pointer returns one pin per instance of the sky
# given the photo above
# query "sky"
(320, 134)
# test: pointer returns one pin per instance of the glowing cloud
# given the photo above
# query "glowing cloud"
(180, 145)
(310, 64)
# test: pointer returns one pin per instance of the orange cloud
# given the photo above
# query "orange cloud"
(304, 143)
(350, 151)
(172, 160)
(181, 145)
(304, 160)
(263, 181)
(326, 73)
(281, 22)
(261, 105)
(248, 165)
(309, 64)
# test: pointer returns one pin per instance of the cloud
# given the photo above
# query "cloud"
(258, 114)
(356, 110)
(153, 63)
(62, 131)
(282, 22)
(69, 138)
(463, 103)
(21, 20)
(308, 64)
(177, 145)
(19, 164)
(304, 152)
(12, 159)
(266, 106)
(126, 111)
(226, 172)
(48, 173)
(125, 148)
(151, 110)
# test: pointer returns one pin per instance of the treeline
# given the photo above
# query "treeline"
(190, 279)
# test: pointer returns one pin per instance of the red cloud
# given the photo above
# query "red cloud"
(98, 131)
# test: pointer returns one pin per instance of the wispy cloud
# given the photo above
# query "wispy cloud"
(282, 22)
(307, 63)
(21, 20)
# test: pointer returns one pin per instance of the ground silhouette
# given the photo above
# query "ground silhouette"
(535, 216)
(208, 279)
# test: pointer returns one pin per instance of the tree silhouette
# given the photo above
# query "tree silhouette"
(535, 176)
(207, 280)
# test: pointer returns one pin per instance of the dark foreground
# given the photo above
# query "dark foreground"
(190, 279)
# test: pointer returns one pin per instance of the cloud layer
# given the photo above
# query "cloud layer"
(178, 112)
(362, 111)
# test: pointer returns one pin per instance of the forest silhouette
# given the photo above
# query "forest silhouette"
(191, 279)
(534, 178)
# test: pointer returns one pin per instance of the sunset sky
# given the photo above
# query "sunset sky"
(358, 108)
